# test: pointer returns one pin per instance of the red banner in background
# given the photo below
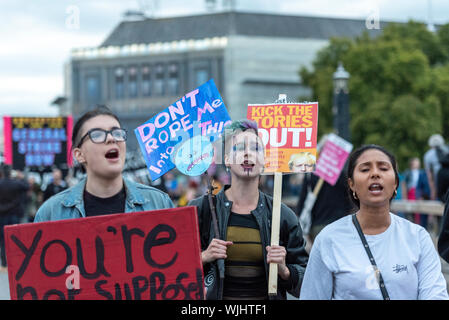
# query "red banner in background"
(134, 256)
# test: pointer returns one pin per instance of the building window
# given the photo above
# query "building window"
(93, 90)
(201, 76)
(146, 81)
(119, 83)
(159, 80)
(132, 82)
(173, 80)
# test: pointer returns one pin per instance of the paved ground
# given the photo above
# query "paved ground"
(4, 286)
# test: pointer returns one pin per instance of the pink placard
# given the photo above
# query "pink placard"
(332, 158)
(7, 136)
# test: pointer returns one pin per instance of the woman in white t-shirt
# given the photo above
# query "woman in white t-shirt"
(408, 266)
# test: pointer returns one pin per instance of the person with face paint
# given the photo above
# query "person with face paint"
(373, 254)
(99, 146)
(244, 221)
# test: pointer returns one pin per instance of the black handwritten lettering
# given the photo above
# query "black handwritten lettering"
(157, 286)
(54, 292)
(118, 292)
(152, 241)
(138, 290)
(127, 234)
(71, 293)
(28, 252)
(200, 283)
(179, 278)
(99, 247)
(166, 292)
(128, 295)
(153, 290)
(101, 291)
(68, 252)
(21, 292)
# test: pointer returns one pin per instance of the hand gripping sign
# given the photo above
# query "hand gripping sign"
(288, 132)
(131, 256)
(200, 112)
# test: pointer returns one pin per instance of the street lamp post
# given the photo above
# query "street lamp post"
(340, 108)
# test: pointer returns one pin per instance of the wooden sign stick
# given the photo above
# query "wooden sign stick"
(275, 225)
(318, 186)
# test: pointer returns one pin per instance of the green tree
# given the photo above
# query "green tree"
(398, 87)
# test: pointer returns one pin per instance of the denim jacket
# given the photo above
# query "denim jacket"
(69, 204)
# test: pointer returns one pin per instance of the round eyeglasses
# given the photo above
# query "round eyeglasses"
(97, 135)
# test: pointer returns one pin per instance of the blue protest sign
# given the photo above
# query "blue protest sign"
(200, 112)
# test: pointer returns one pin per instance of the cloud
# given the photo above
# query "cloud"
(37, 36)
(32, 94)
(388, 10)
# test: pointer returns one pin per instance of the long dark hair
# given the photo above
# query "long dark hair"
(98, 111)
(355, 155)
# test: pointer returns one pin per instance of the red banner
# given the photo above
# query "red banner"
(134, 256)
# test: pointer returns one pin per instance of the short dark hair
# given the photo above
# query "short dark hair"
(355, 155)
(98, 111)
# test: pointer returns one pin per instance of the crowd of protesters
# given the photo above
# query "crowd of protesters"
(416, 183)
(104, 185)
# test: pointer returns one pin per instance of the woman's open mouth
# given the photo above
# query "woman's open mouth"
(375, 188)
(112, 154)
(246, 165)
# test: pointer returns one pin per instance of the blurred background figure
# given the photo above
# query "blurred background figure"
(432, 163)
(34, 199)
(57, 185)
(172, 186)
(443, 174)
(189, 193)
(418, 187)
(12, 194)
(332, 202)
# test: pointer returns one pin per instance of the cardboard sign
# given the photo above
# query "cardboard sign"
(332, 158)
(37, 142)
(200, 112)
(142, 256)
(289, 133)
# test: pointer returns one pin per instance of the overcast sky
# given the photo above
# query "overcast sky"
(37, 35)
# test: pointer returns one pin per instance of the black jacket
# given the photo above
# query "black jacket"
(53, 189)
(12, 194)
(443, 239)
(290, 237)
(332, 202)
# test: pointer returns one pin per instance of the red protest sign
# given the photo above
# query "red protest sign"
(142, 256)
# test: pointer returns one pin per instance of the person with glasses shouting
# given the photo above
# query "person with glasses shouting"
(99, 146)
